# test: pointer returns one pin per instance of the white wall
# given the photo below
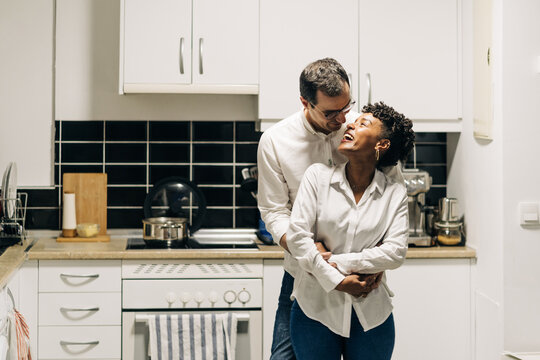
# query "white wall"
(521, 172)
(491, 178)
(87, 53)
(475, 177)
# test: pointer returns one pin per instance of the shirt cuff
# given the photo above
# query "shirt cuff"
(326, 275)
(341, 263)
(278, 230)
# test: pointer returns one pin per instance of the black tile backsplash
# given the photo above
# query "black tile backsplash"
(81, 153)
(126, 174)
(82, 131)
(125, 153)
(169, 153)
(125, 130)
(246, 153)
(125, 196)
(169, 131)
(213, 175)
(212, 153)
(137, 154)
(217, 196)
(158, 172)
(213, 131)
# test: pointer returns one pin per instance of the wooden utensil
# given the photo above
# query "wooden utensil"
(90, 202)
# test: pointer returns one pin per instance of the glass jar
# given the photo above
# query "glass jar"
(448, 233)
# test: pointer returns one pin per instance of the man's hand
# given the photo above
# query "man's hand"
(283, 243)
(352, 284)
(324, 252)
(360, 285)
(372, 281)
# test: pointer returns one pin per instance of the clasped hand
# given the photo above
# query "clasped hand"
(354, 284)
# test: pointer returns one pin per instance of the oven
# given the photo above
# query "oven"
(192, 286)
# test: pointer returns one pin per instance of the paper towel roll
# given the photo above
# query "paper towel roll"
(69, 218)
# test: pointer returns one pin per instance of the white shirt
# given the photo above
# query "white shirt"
(285, 151)
(325, 209)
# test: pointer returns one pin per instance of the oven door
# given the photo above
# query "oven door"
(135, 333)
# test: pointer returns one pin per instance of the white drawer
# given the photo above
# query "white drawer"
(80, 308)
(80, 342)
(79, 275)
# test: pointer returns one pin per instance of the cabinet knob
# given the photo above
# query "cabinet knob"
(170, 297)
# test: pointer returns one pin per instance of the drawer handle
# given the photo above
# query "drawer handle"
(95, 308)
(80, 276)
(64, 343)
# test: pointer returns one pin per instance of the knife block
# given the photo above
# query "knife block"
(90, 203)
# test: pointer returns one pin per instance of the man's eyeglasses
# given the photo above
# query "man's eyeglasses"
(332, 114)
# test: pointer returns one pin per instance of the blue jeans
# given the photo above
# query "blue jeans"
(281, 343)
(312, 340)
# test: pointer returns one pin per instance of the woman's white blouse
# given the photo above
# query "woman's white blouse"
(325, 210)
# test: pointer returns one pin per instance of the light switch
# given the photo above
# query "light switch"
(528, 213)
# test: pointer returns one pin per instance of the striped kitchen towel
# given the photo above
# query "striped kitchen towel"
(193, 336)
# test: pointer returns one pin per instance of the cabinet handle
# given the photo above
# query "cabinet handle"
(80, 276)
(95, 308)
(201, 43)
(63, 342)
(368, 80)
(181, 56)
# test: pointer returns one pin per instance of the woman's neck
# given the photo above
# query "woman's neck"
(359, 174)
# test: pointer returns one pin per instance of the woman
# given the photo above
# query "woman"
(362, 215)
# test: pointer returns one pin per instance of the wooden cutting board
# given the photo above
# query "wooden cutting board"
(90, 202)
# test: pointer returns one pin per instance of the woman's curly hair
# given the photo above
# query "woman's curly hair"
(396, 128)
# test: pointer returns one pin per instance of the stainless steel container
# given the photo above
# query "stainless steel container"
(165, 231)
(448, 209)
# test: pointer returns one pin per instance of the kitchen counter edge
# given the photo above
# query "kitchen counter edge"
(49, 249)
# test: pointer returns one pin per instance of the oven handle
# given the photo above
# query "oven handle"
(145, 318)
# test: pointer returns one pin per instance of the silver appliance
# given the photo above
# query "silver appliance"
(418, 183)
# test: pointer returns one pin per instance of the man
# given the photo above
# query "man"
(286, 150)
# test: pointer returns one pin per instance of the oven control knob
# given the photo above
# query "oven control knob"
(229, 296)
(170, 297)
(185, 297)
(244, 296)
(199, 297)
(213, 297)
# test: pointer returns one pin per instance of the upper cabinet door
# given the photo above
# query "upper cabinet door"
(295, 33)
(226, 42)
(157, 41)
(410, 49)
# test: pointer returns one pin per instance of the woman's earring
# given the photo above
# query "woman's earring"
(377, 154)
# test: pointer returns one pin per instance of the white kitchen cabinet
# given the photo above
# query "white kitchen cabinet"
(295, 33)
(26, 89)
(411, 50)
(272, 277)
(24, 288)
(432, 309)
(80, 309)
(185, 46)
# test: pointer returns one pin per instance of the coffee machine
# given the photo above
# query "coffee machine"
(418, 183)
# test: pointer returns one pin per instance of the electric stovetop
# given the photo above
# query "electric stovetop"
(205, 239)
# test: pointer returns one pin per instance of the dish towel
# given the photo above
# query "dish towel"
(19, 337)
(193, 336)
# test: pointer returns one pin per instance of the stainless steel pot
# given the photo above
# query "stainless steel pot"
(165, 231)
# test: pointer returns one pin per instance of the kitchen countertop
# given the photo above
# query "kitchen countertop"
(46, 248)
(11, 260)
